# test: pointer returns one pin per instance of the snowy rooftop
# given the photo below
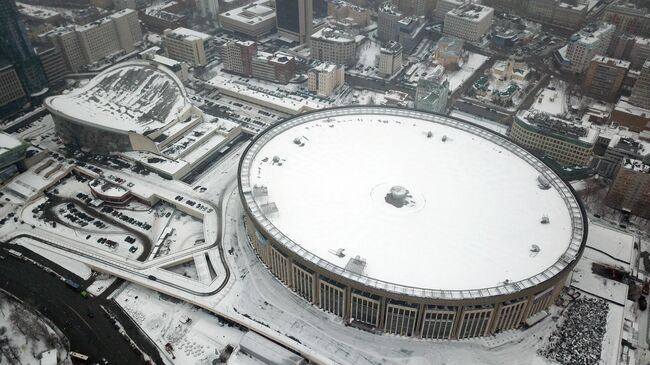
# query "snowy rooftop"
(189, 34)
(460, 210)
(131, 96)
(254, 13)
(8, 142)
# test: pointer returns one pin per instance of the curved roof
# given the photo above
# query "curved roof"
(131, 96)
(321, 184)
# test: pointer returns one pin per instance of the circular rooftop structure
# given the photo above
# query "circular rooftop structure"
(408, 204)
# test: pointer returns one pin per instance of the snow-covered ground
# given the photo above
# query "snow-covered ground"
(196, 336)
(502, 129)
(101, 283)
(74, 266)
(457, 78)
(24, 336)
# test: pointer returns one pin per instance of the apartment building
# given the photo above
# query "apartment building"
(567, 143)
(334, 46)
(628, 17)
(84, 45)
(470, 22)
(604, 78)
(641, 91)
(584, 45)
(388, 17)
(390, 58)
(11, 90)
(325, 78)
(630, 190)
(186, 45)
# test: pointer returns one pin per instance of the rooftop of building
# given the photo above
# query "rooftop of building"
(636, 165)
(410, 215)
(389, 8)
(188, 34)
(550, 125)
(611, 61)
(333, 35)
(257, 12)
(136, 96)
(324, 67)
(590, 34)
(391, 47)
(8, 143)
(472, 12)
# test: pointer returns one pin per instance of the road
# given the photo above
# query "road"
(71, 313)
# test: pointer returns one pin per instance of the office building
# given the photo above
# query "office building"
(242, 57)
(53, 64)
(254, 20)
(16, 49)
(388, 17)
(445, 6)
(325, 78)
(431, 95)
(641, 91)
(567, 143)
(411, 31)
(294, 19)
(208, 8)
(628, 17)
(157, 18)
(187, 45)
(449, 52)
(470, 22)
(604, 78)
(93, 42)
(584, 45)
(11, 89)
(630, 190)
(390, 59)
(334, 46)
(237, 57)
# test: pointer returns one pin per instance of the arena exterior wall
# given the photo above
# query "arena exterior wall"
(379, 306)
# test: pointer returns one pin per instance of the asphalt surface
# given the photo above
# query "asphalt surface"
(82, 320)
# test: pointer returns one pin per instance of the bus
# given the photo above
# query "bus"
(78, 356)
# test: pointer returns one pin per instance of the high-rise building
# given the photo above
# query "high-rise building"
(411, 31)
(325, 78)
(390, 58)
(444, 6)
(238, 57)
(628, 17)
(83, 45)
(11, 89)
(567, 143)
(584, 45)
(208, 8)
(431, 95)
(388, 18)
(469, 21)
(187, 45)
(630, 190)
(641, 91)
(53, 64)
(294, 19)
(17, 50)
(640, 52)
(253, 20)
(334, 46)
(604, 78)
(320, 8)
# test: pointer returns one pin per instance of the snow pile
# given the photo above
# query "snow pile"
(578, 340)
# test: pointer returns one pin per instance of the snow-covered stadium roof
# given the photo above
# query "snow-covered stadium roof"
(471, 223)
(132, 96)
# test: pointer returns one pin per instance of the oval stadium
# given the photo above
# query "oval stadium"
(408, 222)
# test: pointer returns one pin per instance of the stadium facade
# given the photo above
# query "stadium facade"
(408, 222)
